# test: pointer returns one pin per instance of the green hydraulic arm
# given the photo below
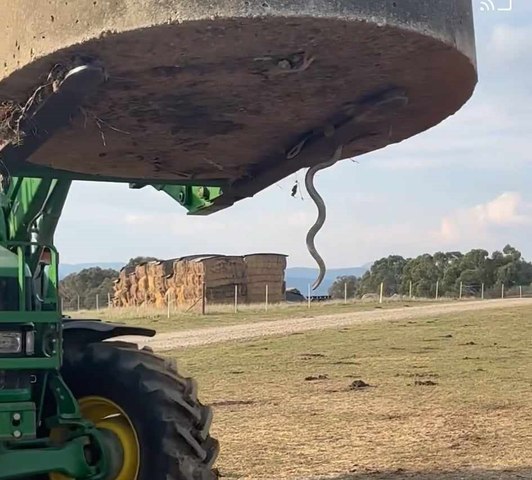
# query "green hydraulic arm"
(197, 200)
(31, 207)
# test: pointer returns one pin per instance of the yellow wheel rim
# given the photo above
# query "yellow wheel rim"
(106, 414)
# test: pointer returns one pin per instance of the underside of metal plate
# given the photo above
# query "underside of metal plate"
(228, 91)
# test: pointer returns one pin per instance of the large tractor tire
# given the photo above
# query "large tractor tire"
(154, 411)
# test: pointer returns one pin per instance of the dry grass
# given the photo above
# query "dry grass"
(475, 422)
(224, 315)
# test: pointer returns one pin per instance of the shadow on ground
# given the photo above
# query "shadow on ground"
(469, 474)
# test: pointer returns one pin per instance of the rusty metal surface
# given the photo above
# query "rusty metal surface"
(223, 90)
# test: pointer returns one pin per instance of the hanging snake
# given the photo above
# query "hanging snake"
(322, 213)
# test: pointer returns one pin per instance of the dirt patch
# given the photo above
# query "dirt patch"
(231, 403)
(425, 350)
(316, 378)
(359, 385)
(313, 355)
(425, 383)
(9, 114)
(418, 375)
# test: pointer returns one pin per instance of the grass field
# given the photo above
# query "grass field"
(224, 315)
(450, 398)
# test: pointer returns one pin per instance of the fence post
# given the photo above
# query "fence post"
(461, 286)
(78, 304)
(502, 290)
(482, 293)
(345, 293)
(108, 300)
(308, 295)
(267, 295)
(62, 304)
(381, 293)
(437, 289)
(410, 290)
(520, 291)
(236, 298)
(204, 298)
(97, 302)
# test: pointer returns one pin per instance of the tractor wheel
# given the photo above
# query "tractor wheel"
(155, 413)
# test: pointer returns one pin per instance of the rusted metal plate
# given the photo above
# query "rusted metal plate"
(224, 89)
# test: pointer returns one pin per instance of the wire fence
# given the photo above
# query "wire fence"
(382, 294)
(460, 291)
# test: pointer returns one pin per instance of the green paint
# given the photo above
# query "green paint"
(8, 263)
(194, 198)
(68, 459)
(20, 420)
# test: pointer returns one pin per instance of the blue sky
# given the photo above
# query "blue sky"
(464, 184)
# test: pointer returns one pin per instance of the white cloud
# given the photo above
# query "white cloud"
(509, 44)
(507, 210)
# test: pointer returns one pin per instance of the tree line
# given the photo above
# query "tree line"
(473, 270)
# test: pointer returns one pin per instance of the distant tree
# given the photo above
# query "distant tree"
(86, 285)
(511, 269)
(423, 273)
(387, 270)
(138, 260)
(450, 270)
(338, 288)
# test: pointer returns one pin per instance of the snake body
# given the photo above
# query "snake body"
(322, 214)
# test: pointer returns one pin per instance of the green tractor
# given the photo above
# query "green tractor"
(208, 103)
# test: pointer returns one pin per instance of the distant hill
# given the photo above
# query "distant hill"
(66, 269)
(300, 278)
(295, 277)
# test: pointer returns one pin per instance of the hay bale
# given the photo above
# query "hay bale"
(182, 281)
(265, 270)
(121, 289)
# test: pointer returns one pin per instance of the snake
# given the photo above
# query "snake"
(322, 214)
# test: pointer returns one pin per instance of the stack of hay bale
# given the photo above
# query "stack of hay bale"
(184, 282)
(265, 270)
(221, 275)
(217, 274)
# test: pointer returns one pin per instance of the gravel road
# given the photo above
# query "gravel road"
(204, 336)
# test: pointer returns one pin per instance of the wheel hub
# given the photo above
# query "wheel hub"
(120, 437)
